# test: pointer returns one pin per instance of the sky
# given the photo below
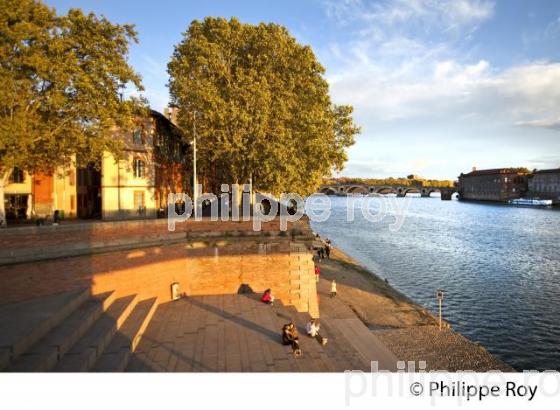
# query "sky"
(438, 87)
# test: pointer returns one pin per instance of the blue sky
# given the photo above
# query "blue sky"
(438, 86)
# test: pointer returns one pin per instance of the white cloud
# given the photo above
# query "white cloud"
(401, 46)
(462, 12)
(519, 95)
(553, 123)
(392, 69)
(447, 14)
(154, 71)
(159, 99)
(550, 31)
(422, 90)
(154, 68)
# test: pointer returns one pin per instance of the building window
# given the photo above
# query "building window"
(139, 168)
(137, 136)
(17, 177)
(139, 200)
(72, 178)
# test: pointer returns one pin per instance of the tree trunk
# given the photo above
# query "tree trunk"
(236, 192)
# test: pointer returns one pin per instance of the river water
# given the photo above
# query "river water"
(498, 265)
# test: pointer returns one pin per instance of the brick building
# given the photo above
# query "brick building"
(545, 184)
(499, 184)
(153, 164)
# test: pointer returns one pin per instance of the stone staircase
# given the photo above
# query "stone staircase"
(76, 332)
(238, 333)
(72, 331)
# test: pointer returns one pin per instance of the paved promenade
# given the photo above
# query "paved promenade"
(238, 333)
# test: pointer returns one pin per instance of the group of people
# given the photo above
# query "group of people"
(290, 335)
(324, 251)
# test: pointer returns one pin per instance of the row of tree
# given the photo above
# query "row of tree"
(259, 99)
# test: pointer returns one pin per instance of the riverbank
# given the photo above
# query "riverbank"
(406, 328)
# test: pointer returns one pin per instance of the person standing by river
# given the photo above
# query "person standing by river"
(333, 289)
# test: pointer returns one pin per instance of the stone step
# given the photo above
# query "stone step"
(116, 356)
(340, 351)
(257, 335)
(283, 313)
(366, 343)
(337, 355)
(308, 361)
(314, 357)
(85, 352)
(25, 323)
(282, 356)
(238, 333)
(46, 353)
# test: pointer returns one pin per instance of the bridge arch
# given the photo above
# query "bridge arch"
(428, 191)
(358, 189)
(411, 190)
(328, 190)
(385, 190)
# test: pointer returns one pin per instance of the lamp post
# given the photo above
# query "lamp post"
(440, 300)
(195, 193)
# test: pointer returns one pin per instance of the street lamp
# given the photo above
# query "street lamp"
(194, 166)
(440, 300)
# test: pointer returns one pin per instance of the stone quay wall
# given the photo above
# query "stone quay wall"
(143, 257)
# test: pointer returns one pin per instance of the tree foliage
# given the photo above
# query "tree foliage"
(413, 182)
(262, 106)
(60, 84)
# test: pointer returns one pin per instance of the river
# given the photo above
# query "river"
(498, 265)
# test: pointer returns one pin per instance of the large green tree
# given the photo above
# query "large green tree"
(262, 106)
(61, 84)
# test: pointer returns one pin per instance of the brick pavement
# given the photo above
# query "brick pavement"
(238, 333)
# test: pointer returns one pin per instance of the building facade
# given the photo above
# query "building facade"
(545, 184)
(500, 184)
(39, 194)
(153, 164)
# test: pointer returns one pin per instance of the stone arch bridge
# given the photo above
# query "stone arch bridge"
(399, 190)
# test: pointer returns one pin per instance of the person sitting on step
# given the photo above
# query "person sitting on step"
(290, 337)
(267, 297)
(312, 329)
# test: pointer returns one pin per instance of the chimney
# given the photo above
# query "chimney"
(473, 169)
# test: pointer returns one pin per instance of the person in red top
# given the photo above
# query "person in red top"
(267, 297)
(317, 273)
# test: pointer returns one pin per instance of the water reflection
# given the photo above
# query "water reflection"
(499, 265)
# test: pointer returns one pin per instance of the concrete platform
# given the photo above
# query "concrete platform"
(73, 331)
(238, 333)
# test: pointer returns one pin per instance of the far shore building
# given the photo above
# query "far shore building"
(154, 164)
(501, 184)
(545, 184)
